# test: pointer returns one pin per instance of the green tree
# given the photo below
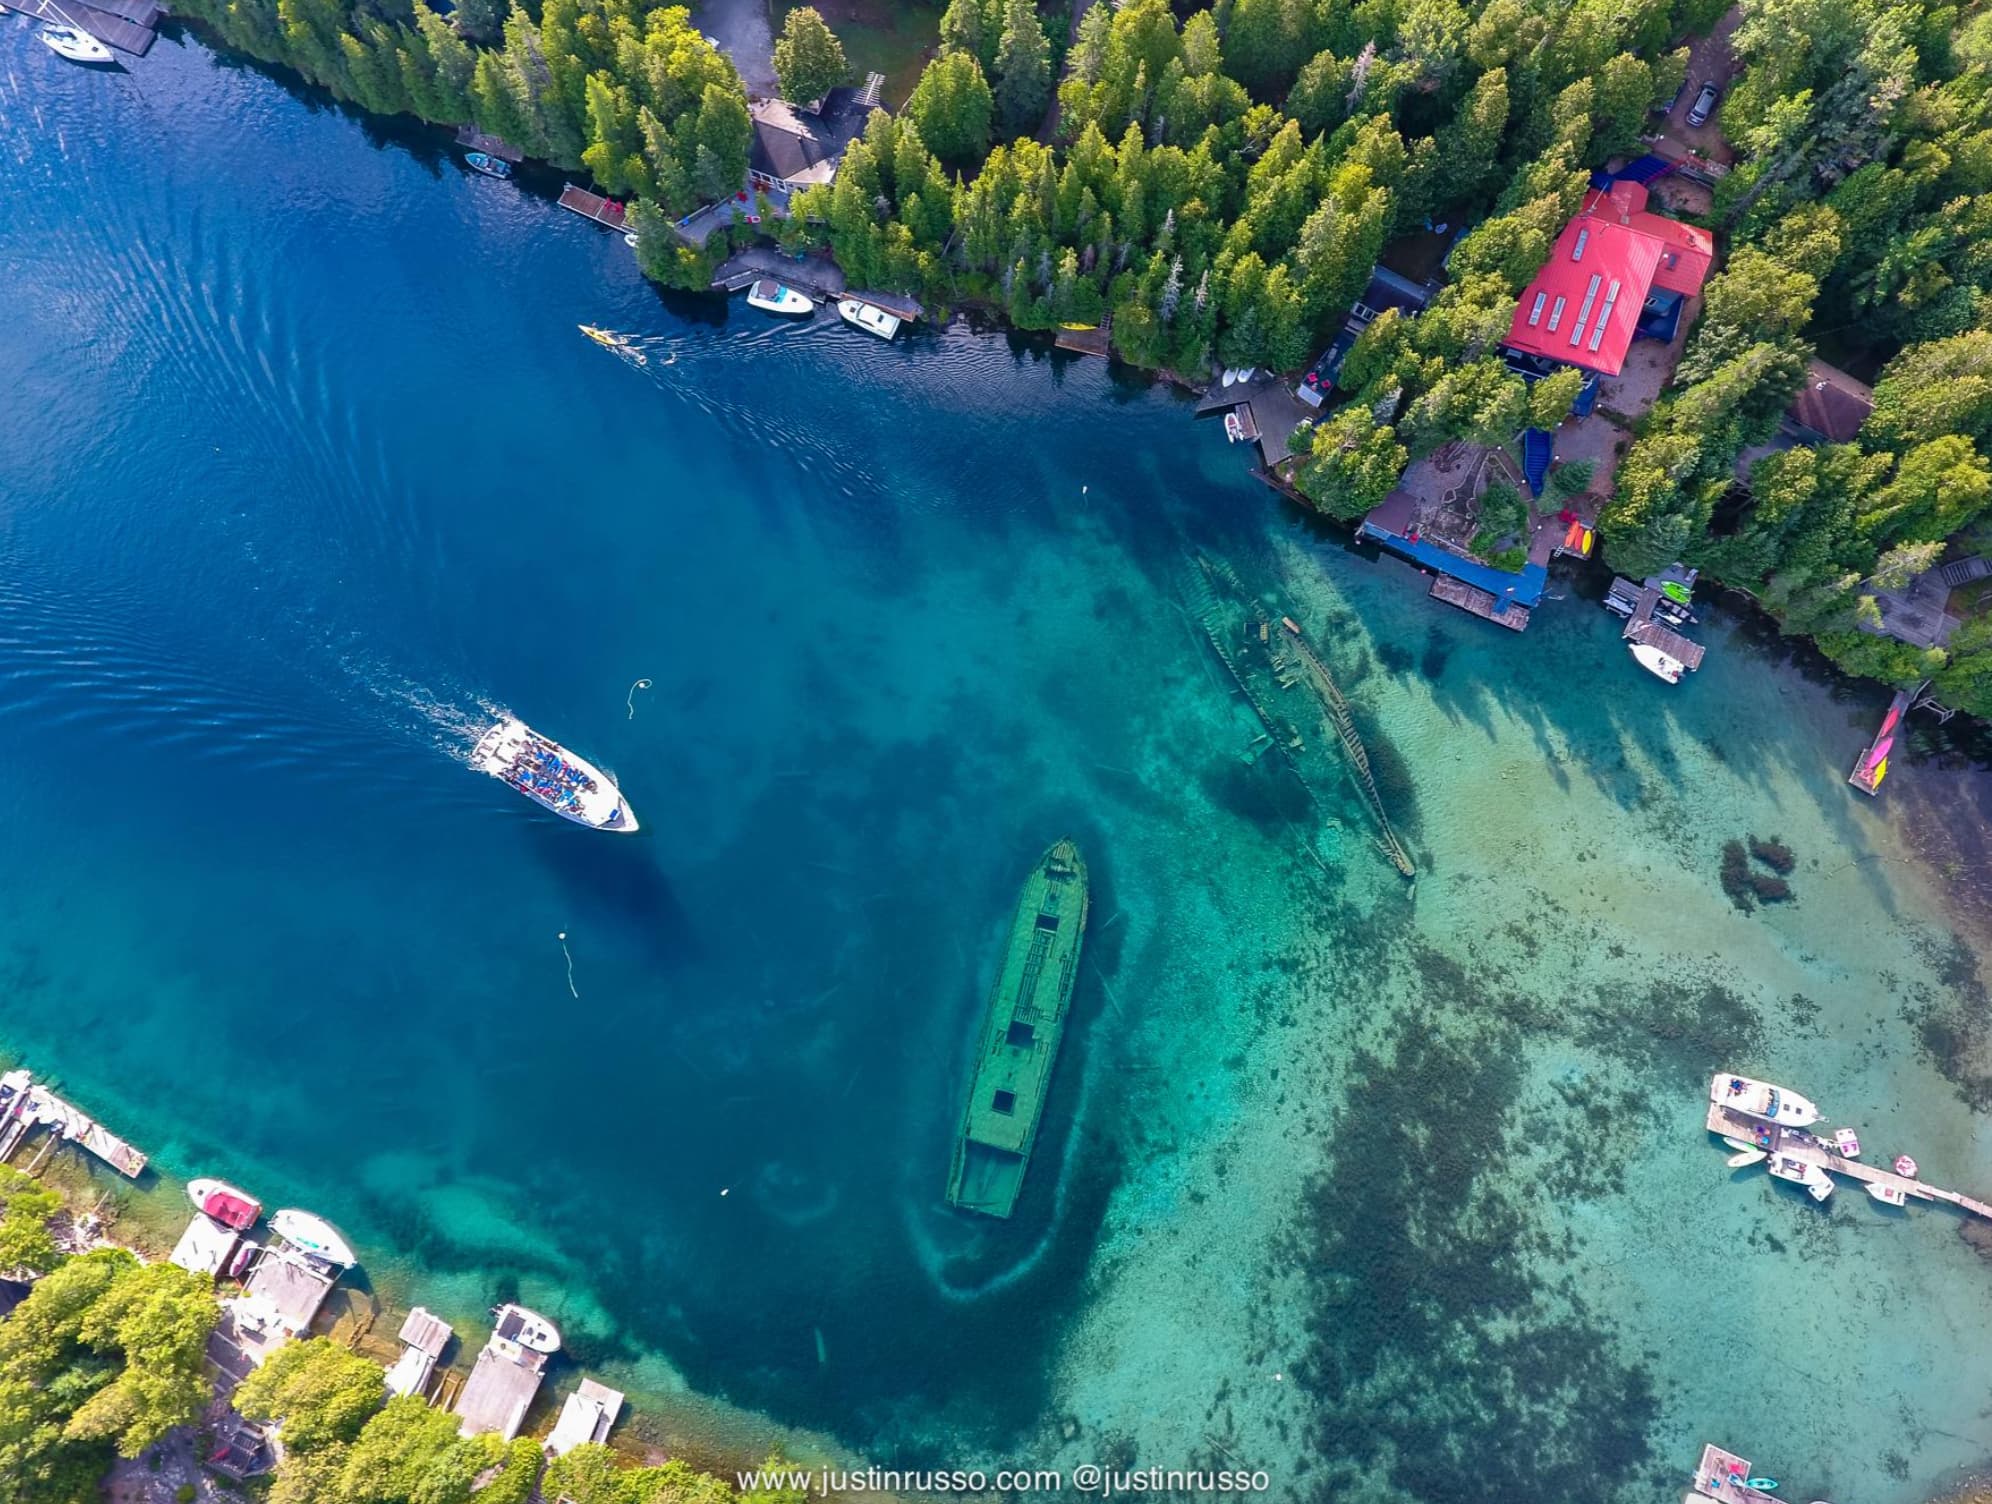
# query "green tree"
(1023, 69)
(951, 106)
(1550, 398)
(1481, 402)
(27, 1243)
(809, 60)
(1352, 462)
(318, 1392)
(1930, 390)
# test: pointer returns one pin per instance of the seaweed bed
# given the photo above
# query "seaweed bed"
(1745, 885)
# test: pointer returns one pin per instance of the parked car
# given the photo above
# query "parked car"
(1666, 106)
(1704, 105)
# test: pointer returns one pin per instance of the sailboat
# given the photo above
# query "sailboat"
(74, 43)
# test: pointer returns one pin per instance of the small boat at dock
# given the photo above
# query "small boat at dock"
(233, 1209)
(552, 777)
(868, 317)
(1746, 1154)
(1021, 1032)
(313, 1235)
(1759, 1099)
(74, 43)
(1818, 1184)
(1660, 664)
(527, 1329)
(1887, 1195)
(770, 296)
(490, 166)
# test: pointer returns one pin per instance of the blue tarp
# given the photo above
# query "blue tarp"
(1638, 170)
(1587, 396)
(1537, 450)
(1524, 589)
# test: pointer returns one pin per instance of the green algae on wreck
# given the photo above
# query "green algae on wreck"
(1021, 1032)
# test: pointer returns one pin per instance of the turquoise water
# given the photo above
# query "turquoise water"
(1397, 1194)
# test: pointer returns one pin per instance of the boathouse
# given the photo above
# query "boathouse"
(1618, 272)
(423, 1338)
(588, 1416)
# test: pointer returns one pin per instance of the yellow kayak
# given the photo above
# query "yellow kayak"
(608, 339)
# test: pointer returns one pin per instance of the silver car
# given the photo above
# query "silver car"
(1704, 105)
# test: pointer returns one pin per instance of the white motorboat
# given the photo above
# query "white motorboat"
(313, 1235)
(527, 1329)
(1888, 1195)
(1230, 375)
(1749, 1156)
(237, 1210)
(770, 296)
(552, 777)
(1759, 1099)
(1661, 664)
(1818, 1184)
(74, 43)
(868, 317)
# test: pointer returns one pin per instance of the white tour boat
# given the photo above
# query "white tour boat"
(770, 296)
(1759, 1099)
(1662, 664)
(313, 1235)
(237, 1210)
(527, 1329)
(871, 319)
(74, 43)
(552, 777)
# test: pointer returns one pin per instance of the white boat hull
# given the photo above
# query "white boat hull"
(772, 297)
(527, 1329)
(313, 1235)
(1660, 665)
(1760, 1099)
(865, 316)
(202, 1193)
(75, 44)
(593, 800)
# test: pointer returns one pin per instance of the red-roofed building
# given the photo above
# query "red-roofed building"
(1614, 264)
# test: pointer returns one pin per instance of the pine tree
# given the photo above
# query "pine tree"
(809, 60)
(1023, 69)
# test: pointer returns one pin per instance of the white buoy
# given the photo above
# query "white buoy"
(630, 698)
(570, 964)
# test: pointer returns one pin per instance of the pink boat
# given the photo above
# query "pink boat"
(233, 1209)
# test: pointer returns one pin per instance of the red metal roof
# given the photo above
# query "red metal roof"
(1584, 304)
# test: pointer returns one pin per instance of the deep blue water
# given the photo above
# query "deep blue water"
(306, 472)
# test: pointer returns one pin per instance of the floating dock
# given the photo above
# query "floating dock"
(1873, 766)
(1725, 1476)
(473, 138)
(1808, 1148)
(503, 1381)
(1481, 603)
(25, 1106)
(1645, 621)
(423, 1338)
(129, 25)
(205, 1247)
(604, 211)
(588, 1416)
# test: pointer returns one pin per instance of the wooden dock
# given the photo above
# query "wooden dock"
(24, 1106)
(604, 211)
(473, 138)
(423, 1338)
(588, 1416)
(1809, 1148)
(1084, 339)
(1640, 627)
(129, 25)
(1873, 766)
(1725, 1476)
(1480, 603)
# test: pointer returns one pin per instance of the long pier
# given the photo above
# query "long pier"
(1809, 1148)
(25, 1106)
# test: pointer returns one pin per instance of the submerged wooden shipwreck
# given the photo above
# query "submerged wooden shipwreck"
(1021, 1033)
(1267, 661)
